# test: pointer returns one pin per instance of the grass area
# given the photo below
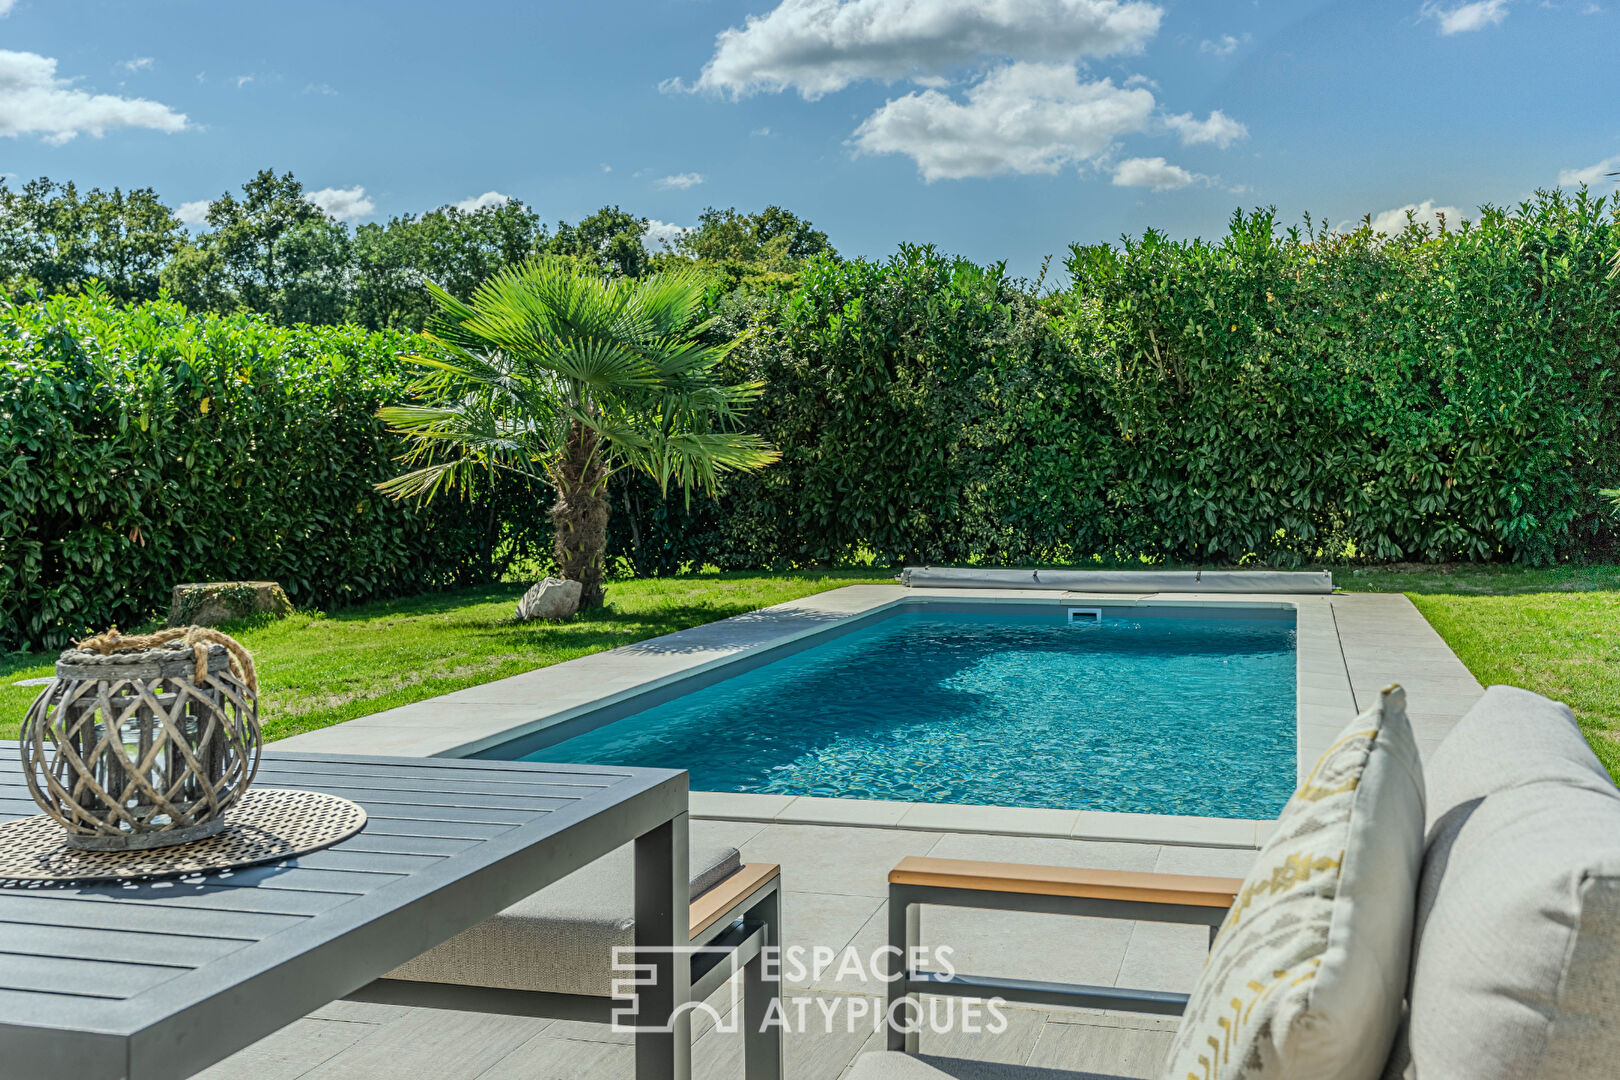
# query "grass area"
(316, 669)
(1555, 631)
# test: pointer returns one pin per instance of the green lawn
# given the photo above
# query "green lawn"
(316, 669)
(1554, 631)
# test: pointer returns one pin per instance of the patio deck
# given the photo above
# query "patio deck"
(834, 881)
(836, 855)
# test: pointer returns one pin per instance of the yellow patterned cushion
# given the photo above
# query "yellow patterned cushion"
(1307, 974)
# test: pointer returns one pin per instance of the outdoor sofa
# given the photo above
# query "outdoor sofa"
(552, 953)
(1476, 938)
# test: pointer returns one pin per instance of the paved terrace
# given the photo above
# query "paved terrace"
(836, 855)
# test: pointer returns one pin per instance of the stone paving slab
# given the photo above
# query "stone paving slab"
(835, 897)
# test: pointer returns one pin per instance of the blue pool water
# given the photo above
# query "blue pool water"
(1157, 715)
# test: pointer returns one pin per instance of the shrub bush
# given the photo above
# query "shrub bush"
(143, 447)
(1285, 396)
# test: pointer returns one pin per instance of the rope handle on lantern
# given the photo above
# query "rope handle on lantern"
(198, 637)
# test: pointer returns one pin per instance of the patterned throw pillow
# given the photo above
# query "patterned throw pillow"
(1308, 972)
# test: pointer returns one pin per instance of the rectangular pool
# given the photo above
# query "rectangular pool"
(1178, 711)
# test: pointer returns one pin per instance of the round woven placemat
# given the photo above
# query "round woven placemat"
(267, 825)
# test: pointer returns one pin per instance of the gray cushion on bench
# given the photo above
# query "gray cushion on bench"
(1517, 963)
(560, 939)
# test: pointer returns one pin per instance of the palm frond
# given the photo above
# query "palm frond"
(544, 349)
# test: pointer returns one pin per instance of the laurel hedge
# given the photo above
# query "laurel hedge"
(142, 446)
(1279, 395)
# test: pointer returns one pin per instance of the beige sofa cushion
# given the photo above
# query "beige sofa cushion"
(1517, 966)
(1306, 976)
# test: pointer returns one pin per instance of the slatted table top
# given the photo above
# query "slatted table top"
(159, 980)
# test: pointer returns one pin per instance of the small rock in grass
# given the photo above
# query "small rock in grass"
(552, 598)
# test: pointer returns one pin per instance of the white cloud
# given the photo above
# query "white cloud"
(139, 63)
(345, 204)
(1155, 173)
(33, 101)
(819, 46)
(1219, 129)
(6, 6)
(1225, 45)
(1022, 118)
(1462, 18)
(1392, 222)
(606, 167)
(760, 131)
(661, 235)
(193, 213)
(479, 202)
(243, 80)
(323, 89)
(681, 181)
(1591, 175)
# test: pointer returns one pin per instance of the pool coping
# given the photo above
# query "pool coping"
(466, 722)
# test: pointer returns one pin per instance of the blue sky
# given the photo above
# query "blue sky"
(998, 131)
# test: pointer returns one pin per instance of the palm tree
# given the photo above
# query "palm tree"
(560, 374)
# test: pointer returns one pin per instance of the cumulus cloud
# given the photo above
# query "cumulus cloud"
(33, 101)
(661, 235)
(680, 181)
(820, 46)
(1426, 212)
(345, 204)
(1225, 45)
(1461, 18)
(1022, 118)
(139, 63)
(1155, 173)
(1218, 128)
(1592, 174)
(6, 6)
(193, 213)
(482, 202)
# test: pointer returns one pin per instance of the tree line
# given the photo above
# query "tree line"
(269, 249)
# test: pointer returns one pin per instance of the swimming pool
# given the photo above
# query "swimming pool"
(1180, 711)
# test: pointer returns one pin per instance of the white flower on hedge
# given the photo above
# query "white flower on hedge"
(1021, 118)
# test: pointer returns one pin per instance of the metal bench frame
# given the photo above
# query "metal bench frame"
(1047, 890)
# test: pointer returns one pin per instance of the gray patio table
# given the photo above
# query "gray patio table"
(157, 981)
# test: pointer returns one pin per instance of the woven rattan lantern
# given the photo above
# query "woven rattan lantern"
(144, 742)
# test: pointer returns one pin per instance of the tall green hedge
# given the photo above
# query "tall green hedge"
(1277, 395)
(141, 447)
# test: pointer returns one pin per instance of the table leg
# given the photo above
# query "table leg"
(663, 898)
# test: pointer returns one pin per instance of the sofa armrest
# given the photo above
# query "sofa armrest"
(1030, 880)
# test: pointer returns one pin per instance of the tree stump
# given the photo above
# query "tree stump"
(210, 603)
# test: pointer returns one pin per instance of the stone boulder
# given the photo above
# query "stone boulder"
(209, 603)
(552, 598)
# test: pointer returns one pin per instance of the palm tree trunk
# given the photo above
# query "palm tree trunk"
(580, 514)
